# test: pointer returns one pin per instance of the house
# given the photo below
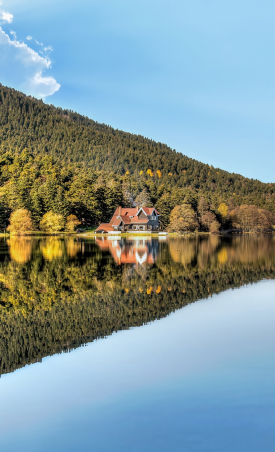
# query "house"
(134, 219)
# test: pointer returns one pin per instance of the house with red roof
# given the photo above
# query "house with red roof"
(134, 219)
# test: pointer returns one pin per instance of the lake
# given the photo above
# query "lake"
(138, 344)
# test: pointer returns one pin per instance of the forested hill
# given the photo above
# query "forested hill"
(83, 145)
(26, 122)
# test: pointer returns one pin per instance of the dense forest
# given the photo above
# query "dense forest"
(57, 160)
(57, 295)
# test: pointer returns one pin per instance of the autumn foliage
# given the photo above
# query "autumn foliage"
(52, 222)
(251, 218)
(20, 222)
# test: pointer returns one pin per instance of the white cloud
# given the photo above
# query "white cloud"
(29, 38)
(23, 68)
(13, 33)
(48, 49)
(6, 17)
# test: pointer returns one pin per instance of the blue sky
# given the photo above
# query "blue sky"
(197, 75)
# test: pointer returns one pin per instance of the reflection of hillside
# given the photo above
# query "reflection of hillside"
(139, 251)
(50, 305)
(217, 251)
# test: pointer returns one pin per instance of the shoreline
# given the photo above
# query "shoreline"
(128, 234)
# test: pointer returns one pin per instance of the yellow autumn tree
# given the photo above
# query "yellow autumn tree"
(223, 210)
(149, 172)
(20, 222)
(52, 222)
(159, 173)
(141, 173)
(71, 223)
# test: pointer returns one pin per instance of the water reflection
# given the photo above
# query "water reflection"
(134, 251)
(57, 294)
(20, 249)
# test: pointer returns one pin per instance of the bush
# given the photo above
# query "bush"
(20, 222)
(52, 222)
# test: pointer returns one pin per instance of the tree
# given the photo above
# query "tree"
(203, 206)
(223, 213)
(52, 222)
(251, 218)
(210, 222)
(182, 219)
(72, 222)
(144, 199)
(4, 216)
(214, 227)
(20, 222)
(164, 206)
(223, 210)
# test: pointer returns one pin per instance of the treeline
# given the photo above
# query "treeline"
(185, 218)
(58, 295)
(66, 196)
(103, 156)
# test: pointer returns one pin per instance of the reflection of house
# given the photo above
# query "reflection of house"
(132, 219)
(134, 252)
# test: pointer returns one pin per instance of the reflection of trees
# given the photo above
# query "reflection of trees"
(72, 247)
(183, 251)
(58, 304)
(20, 249)
(52, 248)
(216, 251)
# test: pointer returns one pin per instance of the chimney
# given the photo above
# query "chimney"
(119, 210)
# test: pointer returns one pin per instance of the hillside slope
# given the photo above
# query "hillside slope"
(78, 141)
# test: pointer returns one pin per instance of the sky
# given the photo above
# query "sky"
(197, 75)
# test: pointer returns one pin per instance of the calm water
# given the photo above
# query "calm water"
(137, 345)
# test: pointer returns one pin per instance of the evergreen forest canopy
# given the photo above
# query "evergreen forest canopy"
(57, 160)
(57, 295)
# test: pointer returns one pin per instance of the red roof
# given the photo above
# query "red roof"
(136, 219)
(149, 210)
(105, 227)
(116, 222)
(120, 211)
(125, 219)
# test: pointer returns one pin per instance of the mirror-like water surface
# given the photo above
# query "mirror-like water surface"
(197, 375)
